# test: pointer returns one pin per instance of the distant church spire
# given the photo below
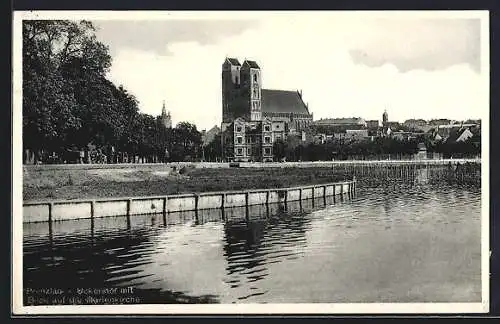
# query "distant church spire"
(163, 110)
(166, 119)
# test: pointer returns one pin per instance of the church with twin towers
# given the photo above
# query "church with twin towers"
(253, 118)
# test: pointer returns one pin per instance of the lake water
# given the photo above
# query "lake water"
(402, 239)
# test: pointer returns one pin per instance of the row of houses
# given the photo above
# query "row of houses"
(356, 129)
(454, 133)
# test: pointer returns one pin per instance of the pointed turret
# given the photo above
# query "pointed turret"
(163, 110)
(165, 117)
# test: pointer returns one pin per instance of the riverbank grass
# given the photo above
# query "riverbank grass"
(67, 184)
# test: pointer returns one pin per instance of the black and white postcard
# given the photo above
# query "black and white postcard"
(250, 162)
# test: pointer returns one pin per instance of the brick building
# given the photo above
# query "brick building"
(253, 118)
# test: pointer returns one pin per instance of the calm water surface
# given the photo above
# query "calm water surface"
(395, 241)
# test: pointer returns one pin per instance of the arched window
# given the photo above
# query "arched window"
(255, 77)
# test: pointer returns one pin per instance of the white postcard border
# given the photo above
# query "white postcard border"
(338, 308)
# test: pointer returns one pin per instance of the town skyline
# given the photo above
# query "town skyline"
(412, 76)
(420, 77)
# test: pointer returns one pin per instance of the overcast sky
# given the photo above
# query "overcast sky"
(346, 65)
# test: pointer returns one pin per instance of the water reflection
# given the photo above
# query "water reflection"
(253, 244)
(108, 252)
(407, 235)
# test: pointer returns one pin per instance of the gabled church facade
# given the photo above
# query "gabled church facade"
(253, 118)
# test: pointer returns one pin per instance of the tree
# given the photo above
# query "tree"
(57, 57)
(48, 115)
(213, 150)
(60, 42)
(291, 144)
(468, 148)
(186, 142)
(279, 148)
(128, 109)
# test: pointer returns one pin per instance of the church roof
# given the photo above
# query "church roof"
(282, 101)
(234, 61)
(252, 64)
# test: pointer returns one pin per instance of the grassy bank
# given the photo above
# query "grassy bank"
(41, 184)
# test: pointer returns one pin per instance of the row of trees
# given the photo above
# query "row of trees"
(292, 149)
(70, 105)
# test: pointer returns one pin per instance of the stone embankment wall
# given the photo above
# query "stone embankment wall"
(47, 211)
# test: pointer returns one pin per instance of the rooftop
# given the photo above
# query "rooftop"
(233, 61)
(251, 64)
(283, 101)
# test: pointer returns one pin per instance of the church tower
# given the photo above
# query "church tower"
(251, 87)
(165, 117)
(385, 118)
(231, 99)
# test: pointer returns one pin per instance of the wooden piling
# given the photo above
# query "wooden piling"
(51, 208)
(92, 209)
